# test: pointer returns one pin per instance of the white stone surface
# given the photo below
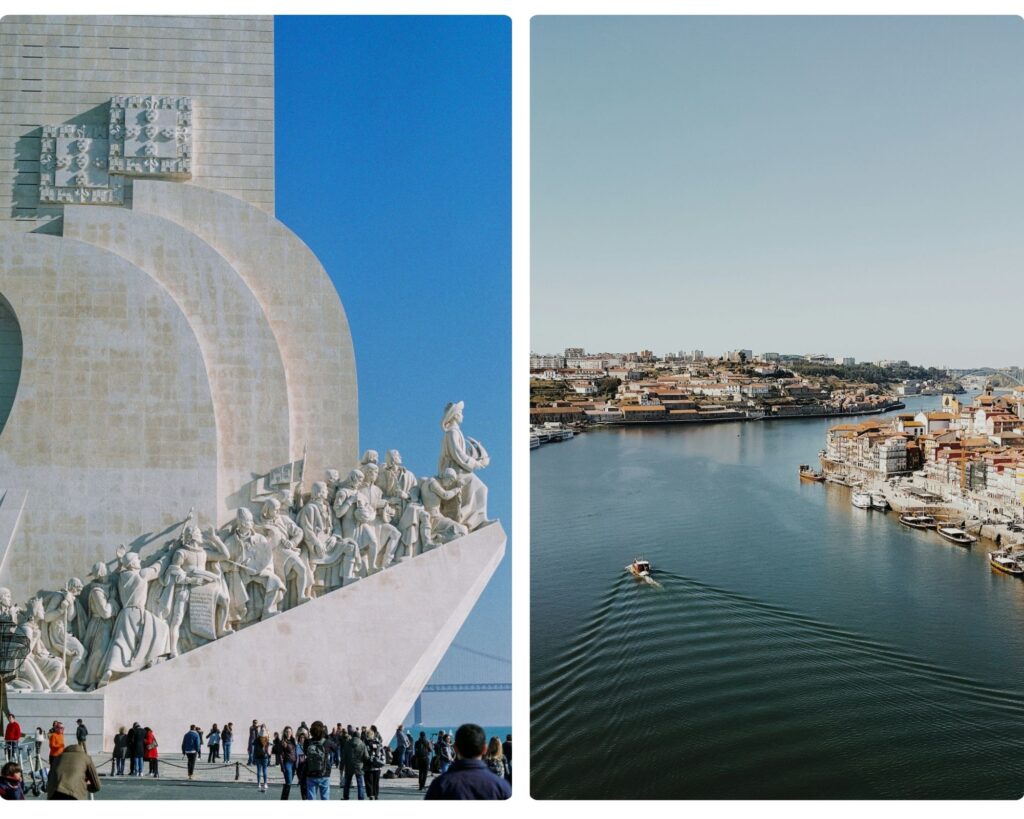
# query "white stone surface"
(360, 654)
(243, 362)
(40, 710)
(112, 433)
(65, 69)
(301, 303)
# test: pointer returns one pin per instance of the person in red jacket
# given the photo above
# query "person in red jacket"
(151, 752)
(12, 736)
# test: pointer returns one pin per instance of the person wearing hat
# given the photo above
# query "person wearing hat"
(101, 611)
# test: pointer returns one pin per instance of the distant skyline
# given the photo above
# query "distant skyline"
(849, 185)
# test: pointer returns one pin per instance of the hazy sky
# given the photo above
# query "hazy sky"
(794, 184)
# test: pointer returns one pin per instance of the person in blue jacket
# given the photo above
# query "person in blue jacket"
(191, 745)
(468, 777)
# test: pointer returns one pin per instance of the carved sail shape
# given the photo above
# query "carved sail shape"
(328, 651)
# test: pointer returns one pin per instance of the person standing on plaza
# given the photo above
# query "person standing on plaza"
(288, 757)
(375, 748)
(254, 731)
(275, 749)
(137, 748)
(151, 753)
(56, 740)
(261, 759)
(495, 759)
(190, 747)
(12, 736)
(300, 759)
(226, 736)
(424, 748)
(445, 751)
(468, 776)
(213, 743)
(401, 747)
(81, 734)
(73, 776)
(120, 752)
(318, 763)
(40, 740)
(506, 749)
(355, 757)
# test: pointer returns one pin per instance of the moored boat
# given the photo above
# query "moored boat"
(1006, 563)
(879, 502)
(916, 521)
(534, 441)
(956, 535)
(861, 499)
(808, 474)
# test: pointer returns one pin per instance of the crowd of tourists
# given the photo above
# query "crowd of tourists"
(465, 764)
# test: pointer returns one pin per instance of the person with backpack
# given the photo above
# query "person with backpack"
(423, 750)
(261, 758)
(355, 756)
(375, 749)
(81, 734)
(318, 763)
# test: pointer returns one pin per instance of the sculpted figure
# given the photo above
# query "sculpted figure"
(41, 670)
(366, 537)
(436, 493)
(8, 611)
(318, 538)
(415, 527)
(139, 637)
(351, 561)
(333, 479)
(59, 614)
(395, 481)
(388, 537)
(285, 537)
(371, 494)
(251, 562)
(466, 456)
(371, 456)
(345, 502)
(185, 570)
(101, 609)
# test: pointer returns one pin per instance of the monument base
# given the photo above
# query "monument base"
(360, 654)
(38, 710)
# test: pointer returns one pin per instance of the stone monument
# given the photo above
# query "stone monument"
(176, 372)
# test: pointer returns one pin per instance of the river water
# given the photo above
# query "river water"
(798, 647)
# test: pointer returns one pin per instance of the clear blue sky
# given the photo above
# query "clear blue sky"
(793, 184)
(393, 148)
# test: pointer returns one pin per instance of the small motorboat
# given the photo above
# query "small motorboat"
(639, 568)
(879, 502)
(956, 535)
(861, 499)
(915, 521)
(808, 474)
(1006, 563)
